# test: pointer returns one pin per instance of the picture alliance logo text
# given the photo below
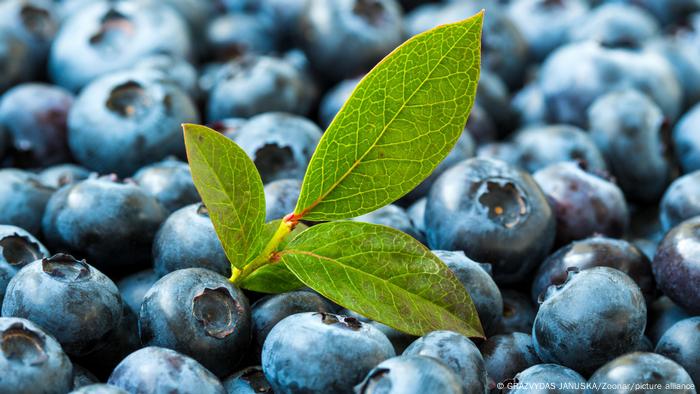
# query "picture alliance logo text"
(602, 386)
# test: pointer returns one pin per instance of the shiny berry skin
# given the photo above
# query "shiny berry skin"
(200, 314)
(595, 252)
(584, 203)
(158, 370)
(681, 343)
(495, 213)
(109, 222)
(597, 315)
(320, 352)
(31, 360)
(680, 201)
(677, 265)
(72, 300)
(187, 240)
(410, 375)
(457, 352)
(641, 368)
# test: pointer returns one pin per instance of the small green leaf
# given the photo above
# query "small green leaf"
(383, 274)
(231, 189)
(401, 121)
(274, 278)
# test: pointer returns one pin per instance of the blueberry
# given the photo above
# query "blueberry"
(17, 249)
(63, 174)
(110, 223)
(639, 368)
(686, 140)
(35, 115)
(15, 60)
(344, 38)
(677, 265)
(477, 281)
(410, 375)
(229, 127)
(494, 213)
(545, 24)
(505, 151)
(31, 360)
(663, 314)
(103, 37)
(595, 252)
(281, 198)
(270, 310)
(82, 377)
(320, 352)
(187, 240)
(555, 379)
(392, 216)
(72, 300)
(507, 355)
(279, 144)
(125, 120)
(99, 389)
(231, 36)
(597, 315)
(23, 199)
(681, 343)
(494, 97)
(670, 11)
(162, 371)
(518, 313)
(541, 146)
(175, 69)
(628, 121)
(616, 25)
(680, 200)
(334, 100)
(254, 85)
(248, 381)
(197, 14)
(134, 287)
(34, 23)
(170, 181)
(577, 74)
(458, 353)
(464, 149)
(584, 203)
(679, 51)
(529, 106)
(200, 314)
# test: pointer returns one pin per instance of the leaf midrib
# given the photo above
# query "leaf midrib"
(324, 258)
(229, 198)
(386, 126)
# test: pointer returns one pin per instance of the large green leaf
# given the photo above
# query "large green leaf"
(382, 274)
(275, 277)
(401, 121)
(231, 189)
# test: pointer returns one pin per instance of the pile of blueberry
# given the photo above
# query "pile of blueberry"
(569, 209)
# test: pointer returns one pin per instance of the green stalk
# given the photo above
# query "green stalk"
(286, 227)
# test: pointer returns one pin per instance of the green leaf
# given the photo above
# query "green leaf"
(231, 189)
(401, 121)
(274, 278)
(383, 274)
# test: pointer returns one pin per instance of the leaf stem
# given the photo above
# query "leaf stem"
(286, 227)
